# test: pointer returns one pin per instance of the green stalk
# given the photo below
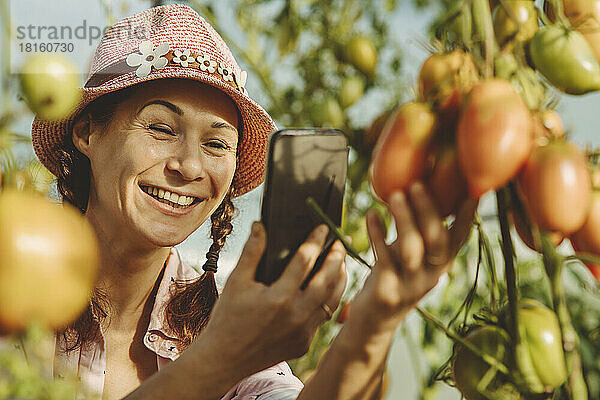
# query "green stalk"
(554, 263)
(333, 228)
(457, 339)
(484, 30)
(526, 376)
(487, 249)
(510, 271)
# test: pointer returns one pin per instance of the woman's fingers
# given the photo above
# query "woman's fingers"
(303, 261)
(251, 254)
(408, 248)
(328, 284)
(434, 234)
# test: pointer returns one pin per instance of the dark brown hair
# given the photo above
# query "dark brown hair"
(189, 308)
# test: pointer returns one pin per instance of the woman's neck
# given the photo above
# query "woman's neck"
(128, 273)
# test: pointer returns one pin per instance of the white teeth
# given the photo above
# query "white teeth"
(175, 198)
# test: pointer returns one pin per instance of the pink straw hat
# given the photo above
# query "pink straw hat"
(170, 41)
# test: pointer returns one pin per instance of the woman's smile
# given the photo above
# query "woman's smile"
(169, 202)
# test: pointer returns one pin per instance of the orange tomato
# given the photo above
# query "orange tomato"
(400, 155)
(493, 136)
(556, 188)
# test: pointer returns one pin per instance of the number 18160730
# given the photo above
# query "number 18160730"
(46, 47)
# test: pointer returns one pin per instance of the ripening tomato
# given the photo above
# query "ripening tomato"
(400, 155)
(585, 17)
(374, 131)
(446, 182)
(468, 369)
(361, 53)
(523, 231)
(587, 238)
(565, 59)
(49, 262)
(351, 91)
(445, 77)
(49, 84)
(493, 136)
(515, 21)
(556, 188)
(541, 331)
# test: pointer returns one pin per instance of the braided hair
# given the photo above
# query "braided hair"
(189, 308)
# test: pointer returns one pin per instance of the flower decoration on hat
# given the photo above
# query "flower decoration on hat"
(182, 57)
(149, 57)
(206, 64)
(225, 73)
(240, 78)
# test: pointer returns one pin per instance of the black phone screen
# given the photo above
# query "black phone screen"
(302, 163)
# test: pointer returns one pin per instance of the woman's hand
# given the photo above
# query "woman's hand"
(256, 325)
(408, 268)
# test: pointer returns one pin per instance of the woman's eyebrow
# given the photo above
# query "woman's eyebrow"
(170, 106)
(221, 124)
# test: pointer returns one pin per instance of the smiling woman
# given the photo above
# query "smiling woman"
(164, 138)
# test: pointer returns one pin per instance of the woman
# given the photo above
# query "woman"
(164, 137)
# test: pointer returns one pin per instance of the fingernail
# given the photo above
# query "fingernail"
(322, 230)
(397, 198)
(416, 188)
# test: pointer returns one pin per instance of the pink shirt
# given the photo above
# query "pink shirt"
(274, 383)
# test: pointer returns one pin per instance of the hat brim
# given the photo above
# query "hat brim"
(257, 125)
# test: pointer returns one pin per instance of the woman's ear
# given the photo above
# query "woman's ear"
(82, 128)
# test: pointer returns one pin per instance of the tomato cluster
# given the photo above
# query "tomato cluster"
(543, 368)
(466, 135)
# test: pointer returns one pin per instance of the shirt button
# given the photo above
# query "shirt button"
(152, 337)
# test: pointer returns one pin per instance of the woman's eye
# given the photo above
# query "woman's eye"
(217, 144)
(161, 129)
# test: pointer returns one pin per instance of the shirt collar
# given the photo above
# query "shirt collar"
(159, 337)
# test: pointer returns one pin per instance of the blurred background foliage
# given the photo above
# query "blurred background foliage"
(334, 63)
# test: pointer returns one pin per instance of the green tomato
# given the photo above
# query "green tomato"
(520, 29)
(565, 59)
(351, 91)
(476, 379)
(49, 84)
(361, 53)
(328, 113)
(541, 331)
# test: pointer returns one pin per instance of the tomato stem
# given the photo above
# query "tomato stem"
(333, 228)
(484, 29)
(487, 248)
(554, 263)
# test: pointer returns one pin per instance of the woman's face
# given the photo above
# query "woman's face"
(165, 161)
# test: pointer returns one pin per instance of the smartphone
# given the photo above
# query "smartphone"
(301, 163)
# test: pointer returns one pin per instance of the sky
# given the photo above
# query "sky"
(579, 113)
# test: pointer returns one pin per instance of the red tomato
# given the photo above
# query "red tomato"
(446, 182)
(400, 155)
(493, 136)
(547, 125)
(555, 237)
(556, 187)
(587, 239)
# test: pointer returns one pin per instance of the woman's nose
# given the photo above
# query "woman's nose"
(187, 162)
